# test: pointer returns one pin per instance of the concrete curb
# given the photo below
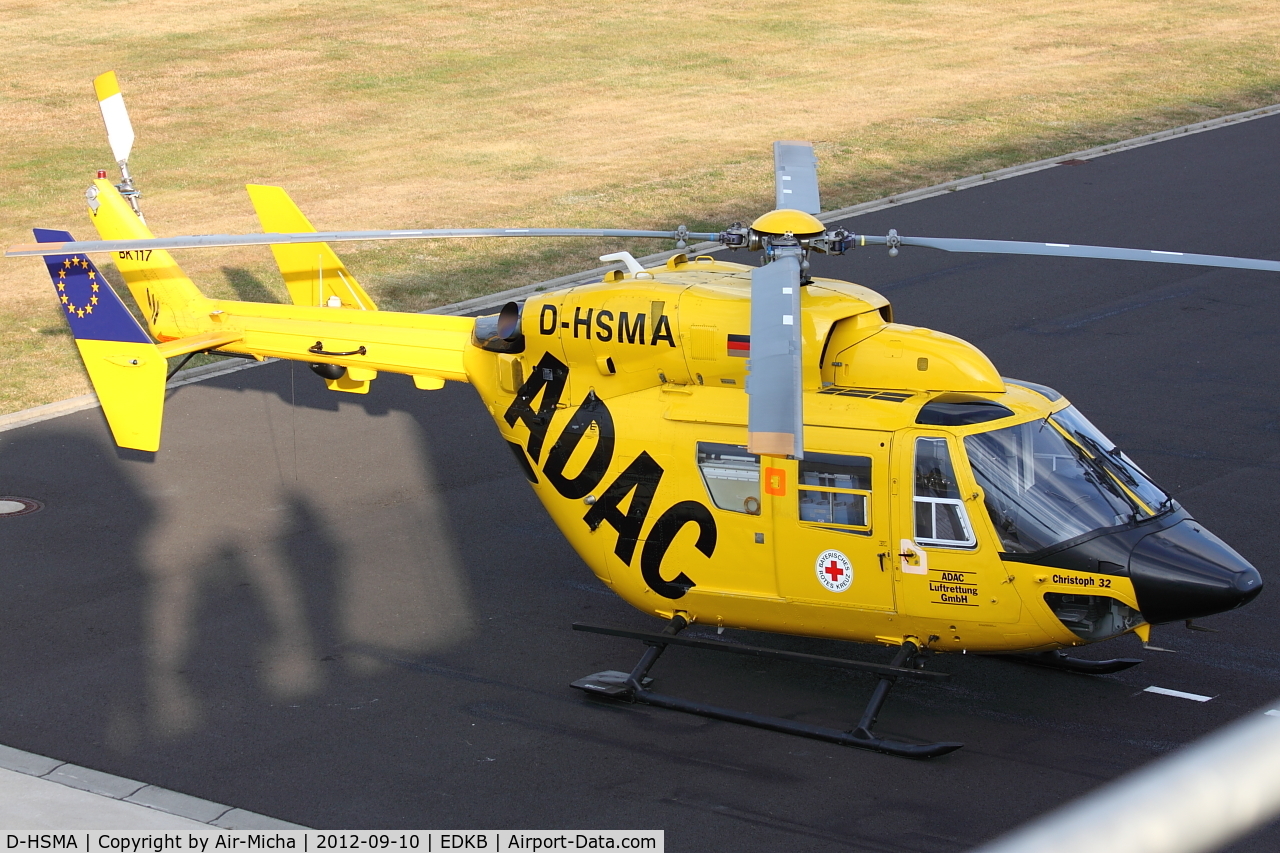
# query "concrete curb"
(1047, 163)
(495, 300)
(137, 793)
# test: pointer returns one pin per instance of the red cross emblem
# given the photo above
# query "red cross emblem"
(835, 572)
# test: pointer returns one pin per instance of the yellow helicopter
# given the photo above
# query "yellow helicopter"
(735, 446)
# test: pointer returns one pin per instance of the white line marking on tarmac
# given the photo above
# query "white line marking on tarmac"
(1164, 691)
(1273, 713)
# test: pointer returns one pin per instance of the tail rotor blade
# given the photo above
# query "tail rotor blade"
(795, 171)
(774, 415)
(114, 115)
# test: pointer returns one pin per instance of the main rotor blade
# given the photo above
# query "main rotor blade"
(774, 414)
(795, 174)
(1064, 250)
(213, 241)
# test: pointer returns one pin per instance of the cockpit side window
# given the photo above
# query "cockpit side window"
(940, 516)
(835, 491)
(731, 475)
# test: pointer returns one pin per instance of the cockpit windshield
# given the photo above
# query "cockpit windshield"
(1051, 480)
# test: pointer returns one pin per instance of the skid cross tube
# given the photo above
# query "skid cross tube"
(630, 687)
(635, 680)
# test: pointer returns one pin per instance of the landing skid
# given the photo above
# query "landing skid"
(632, 687)
(1061, 660)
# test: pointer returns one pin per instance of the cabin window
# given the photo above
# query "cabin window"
(731, 475)
(835, 491)
(941, 519)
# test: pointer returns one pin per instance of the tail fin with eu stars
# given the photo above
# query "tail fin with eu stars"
(126, 368)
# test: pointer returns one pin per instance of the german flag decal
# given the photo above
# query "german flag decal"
(740, 345)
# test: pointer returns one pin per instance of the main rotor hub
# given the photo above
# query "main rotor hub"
(786, 221)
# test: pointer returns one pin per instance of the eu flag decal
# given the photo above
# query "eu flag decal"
(94, 311)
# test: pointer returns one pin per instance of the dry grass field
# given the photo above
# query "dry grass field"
(396, 114)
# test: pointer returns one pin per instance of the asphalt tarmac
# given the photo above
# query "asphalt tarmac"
(351, 612)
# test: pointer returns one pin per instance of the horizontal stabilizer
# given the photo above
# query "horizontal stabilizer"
(198, 343)
(312, 272)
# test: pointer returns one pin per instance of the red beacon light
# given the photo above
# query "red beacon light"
(102, 173)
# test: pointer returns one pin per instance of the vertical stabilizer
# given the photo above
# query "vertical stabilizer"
(167, 298)
(125, 367)
(312, 272)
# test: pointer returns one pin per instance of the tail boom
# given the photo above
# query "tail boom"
(393, 342)
(128, 369)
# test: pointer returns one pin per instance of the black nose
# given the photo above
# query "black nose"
(1184, 571)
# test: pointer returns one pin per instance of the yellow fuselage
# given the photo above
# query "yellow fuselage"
(621, 394)
(623, 381)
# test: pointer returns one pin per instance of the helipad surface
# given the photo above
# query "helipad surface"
(352, 612)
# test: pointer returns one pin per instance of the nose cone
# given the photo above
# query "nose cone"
(1184, 571)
